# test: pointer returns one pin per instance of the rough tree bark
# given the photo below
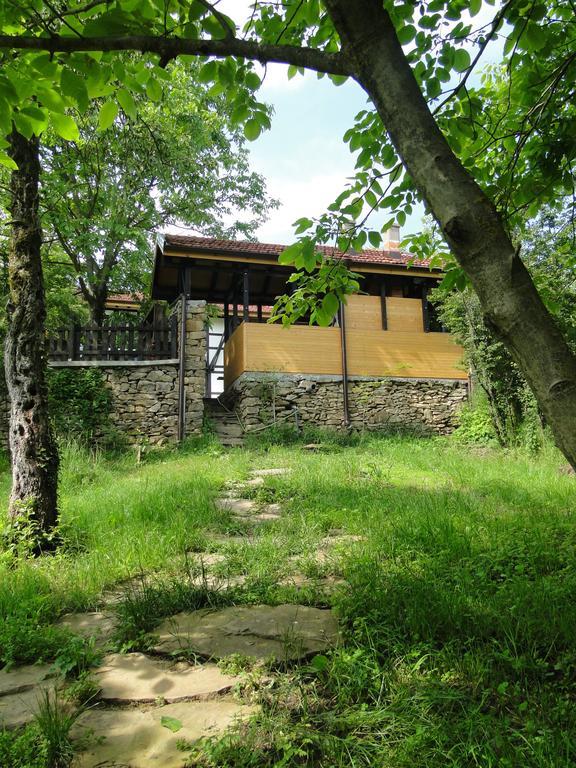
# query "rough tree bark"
(510, 302)
(33, 501)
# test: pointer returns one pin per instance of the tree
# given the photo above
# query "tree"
(363, 40)
(33, 501)
(172, 161)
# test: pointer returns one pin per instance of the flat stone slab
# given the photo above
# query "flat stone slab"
(131, 737)
(270, 472)
(282, 632)
(18, 709)
(207, 559)
(264, 517)
(254, 482)
(19, 679)
(134, 677)
(237, 506)
(96, 624)
(21, 690)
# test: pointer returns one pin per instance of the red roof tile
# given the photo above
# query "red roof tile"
(242, 247)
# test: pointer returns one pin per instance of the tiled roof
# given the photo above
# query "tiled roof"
(130, 298)
(390, 257)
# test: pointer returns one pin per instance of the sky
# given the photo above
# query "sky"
(303, 157)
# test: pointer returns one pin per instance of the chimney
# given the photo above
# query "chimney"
(391, 240)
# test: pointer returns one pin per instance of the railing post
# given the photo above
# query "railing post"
(75, 342)
(174, 336)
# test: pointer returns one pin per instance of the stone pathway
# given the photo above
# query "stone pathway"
(21, 689)
(138, 738)
(98, 625)
(148, 704)
(281, 632)
(250, 510)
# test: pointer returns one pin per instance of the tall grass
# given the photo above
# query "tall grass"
(458, 611)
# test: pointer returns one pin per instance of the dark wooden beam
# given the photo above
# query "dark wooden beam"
(425, 313)
(383, 306)
(246, 295)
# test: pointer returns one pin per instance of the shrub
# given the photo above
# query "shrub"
(80, 404)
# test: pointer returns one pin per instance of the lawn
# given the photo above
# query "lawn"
(456, 600)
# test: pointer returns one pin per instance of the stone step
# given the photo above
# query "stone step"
(134, 677)
(280, 632)
(152, 738)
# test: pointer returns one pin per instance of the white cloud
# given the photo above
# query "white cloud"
(303, 197)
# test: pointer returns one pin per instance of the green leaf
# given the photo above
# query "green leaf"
(171, 723)
(252, 81)
(65, 126)
(302, 225)
(461, 60)
(126, 101)
(209, 72)
(330, 304)
(290, 254)
(406, 34)
(375, 239)
(107, 115)
(153, 90)
(252, 129)
(7, 161)
(474, 7)
(73, 85)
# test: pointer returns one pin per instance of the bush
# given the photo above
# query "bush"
(475, 424)
(80, 405)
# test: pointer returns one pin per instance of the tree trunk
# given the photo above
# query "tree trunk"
(472, 227)
(33, 501)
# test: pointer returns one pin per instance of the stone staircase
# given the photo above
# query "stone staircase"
(224, 423)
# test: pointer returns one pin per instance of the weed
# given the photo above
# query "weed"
(54, 719)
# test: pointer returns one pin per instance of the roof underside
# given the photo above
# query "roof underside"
(215, 267)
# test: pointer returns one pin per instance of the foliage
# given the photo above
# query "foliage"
(54, 720)
(457, 606)
(23, 749)
(175, 162)
(475, 424)
(80, 405)
(493, 367)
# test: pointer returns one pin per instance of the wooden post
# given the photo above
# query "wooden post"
(342, 317)
(425, 313)
(182, 372)
(226, 321)
(234, 304)
(246, 295)
(383, 306)
(174, 336)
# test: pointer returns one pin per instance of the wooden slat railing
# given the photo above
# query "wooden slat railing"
(125, 341)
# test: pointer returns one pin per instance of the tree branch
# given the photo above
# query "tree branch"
(170, 48)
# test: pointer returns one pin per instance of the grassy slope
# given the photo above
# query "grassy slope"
(459, 606)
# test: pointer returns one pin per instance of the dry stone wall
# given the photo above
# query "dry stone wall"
(144, 401)
(427, 406)
(145, 393)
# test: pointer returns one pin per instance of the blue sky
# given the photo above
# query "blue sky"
(303, 157)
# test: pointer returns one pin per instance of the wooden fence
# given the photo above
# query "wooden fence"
(115, 342)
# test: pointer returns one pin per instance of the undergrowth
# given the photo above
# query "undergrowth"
(457, 611)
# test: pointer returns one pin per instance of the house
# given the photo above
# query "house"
(386, 360)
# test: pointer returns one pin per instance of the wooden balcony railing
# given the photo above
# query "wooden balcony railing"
(115, 342)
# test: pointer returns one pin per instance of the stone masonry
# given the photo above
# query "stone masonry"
(426, 406)
(145, 393)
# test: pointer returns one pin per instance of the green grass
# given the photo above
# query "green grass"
(458, 607)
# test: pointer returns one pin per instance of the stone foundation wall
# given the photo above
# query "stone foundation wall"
(145, 393)
(144, 401)
(427, 406)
